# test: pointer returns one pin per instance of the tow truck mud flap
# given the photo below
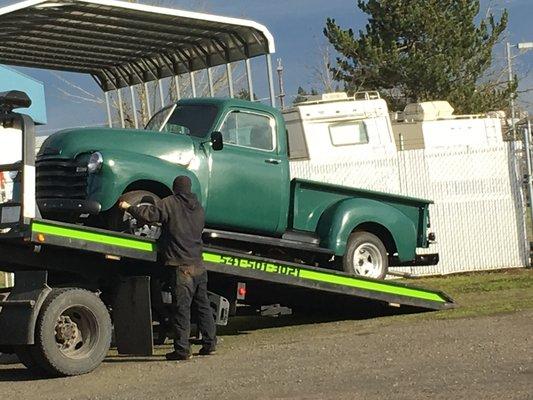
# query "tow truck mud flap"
(19, 311)
(325, 280)
(132, 317)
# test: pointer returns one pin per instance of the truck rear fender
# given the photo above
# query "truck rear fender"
(124, 170)
(342, 218)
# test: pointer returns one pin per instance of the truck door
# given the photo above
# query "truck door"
(248, 178)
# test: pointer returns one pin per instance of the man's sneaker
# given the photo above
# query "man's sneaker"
(175, 356)
(207, 351)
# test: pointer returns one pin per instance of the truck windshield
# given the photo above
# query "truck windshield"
(193, 120)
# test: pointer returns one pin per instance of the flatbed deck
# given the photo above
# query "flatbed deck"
(74, 248)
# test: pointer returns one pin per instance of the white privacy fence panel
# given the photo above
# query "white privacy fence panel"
(478, 215)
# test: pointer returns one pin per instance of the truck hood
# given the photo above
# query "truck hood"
(70, 143)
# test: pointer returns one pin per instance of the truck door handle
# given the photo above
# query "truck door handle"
(272, 161)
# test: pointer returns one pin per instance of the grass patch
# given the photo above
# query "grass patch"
(484, 293)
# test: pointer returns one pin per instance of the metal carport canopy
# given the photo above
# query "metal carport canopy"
(122, 44)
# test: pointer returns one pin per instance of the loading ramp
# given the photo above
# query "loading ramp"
(85, 250)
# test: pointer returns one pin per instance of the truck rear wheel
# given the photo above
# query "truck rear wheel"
(366, 256)
(122, 221)
(72, 334)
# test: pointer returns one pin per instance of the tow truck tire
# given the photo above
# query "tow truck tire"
(120, 220)
(72, 334)
(366, 256)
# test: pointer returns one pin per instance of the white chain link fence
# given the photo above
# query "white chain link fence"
(479, 209)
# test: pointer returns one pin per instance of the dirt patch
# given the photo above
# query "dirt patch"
(371, 359)
(458, 354)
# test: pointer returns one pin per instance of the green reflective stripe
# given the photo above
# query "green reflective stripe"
(210, 257)
(369, 285)
(79, 234)
(383, 287)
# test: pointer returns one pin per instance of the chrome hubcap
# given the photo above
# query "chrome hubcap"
(367, 261)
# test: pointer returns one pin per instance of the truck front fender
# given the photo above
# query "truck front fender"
(122, 168)
(342, 218)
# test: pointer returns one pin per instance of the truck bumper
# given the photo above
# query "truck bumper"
(69, 206)
(420, 261)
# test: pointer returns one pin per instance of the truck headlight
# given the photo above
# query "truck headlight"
(95, 162)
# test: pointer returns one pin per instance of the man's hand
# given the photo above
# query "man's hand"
(124, 205)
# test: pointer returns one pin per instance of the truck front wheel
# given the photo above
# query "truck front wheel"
(366, 256)
(123, 221)
(72, 334)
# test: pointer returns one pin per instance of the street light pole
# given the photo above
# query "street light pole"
(519, 46)
(511, 79)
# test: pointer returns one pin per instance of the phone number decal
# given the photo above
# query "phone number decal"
(261, 266)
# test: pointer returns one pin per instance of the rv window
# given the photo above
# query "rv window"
(296, 140)
(348, 133)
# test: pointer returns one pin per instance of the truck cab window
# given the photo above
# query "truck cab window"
(348, 133)
(193, 120)
(249, 130)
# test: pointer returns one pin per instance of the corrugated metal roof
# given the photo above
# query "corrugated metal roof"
(122, 44)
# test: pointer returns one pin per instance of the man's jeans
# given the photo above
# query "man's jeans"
(189, 287)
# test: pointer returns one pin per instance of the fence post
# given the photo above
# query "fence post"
(527, 145)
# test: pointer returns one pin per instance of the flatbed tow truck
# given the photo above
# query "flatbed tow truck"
(75, 284)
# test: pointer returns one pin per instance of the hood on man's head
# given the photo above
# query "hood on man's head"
(182, 185)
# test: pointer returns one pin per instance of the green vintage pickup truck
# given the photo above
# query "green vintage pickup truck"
(236, 154)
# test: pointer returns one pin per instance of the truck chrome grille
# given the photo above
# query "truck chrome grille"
(59, 178)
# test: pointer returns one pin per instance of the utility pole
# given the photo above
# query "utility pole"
(519, 46)
(511, 98)
(281, 96)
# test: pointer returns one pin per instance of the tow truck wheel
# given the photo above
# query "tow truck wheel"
(72, 334)
(366, 256)
(124, 222)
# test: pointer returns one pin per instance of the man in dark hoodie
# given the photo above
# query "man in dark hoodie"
(182, 219)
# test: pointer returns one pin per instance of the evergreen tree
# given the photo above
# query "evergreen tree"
(420, 50)
(303, 95)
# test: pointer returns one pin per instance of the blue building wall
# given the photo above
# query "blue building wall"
(14, 80)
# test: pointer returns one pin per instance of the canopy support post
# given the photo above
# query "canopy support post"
(193, 84)
(229, 75)
(147, 98)
(134, 108)
(249, 76)
(108, 107)
(177, 87)
(161, 95)
(121, 108)
(270, 80)
(210, 81)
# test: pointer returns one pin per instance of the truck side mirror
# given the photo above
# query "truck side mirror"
(216, 141)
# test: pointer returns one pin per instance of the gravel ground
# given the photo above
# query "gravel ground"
(380, 358)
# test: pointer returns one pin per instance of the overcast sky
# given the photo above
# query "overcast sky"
(297, 27)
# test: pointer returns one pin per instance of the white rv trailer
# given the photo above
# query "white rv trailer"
(335, 126)
(432, 125)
